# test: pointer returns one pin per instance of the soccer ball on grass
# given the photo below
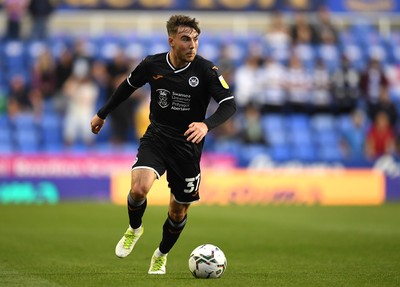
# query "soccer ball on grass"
(207, 261)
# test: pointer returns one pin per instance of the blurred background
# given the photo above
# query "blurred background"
(317, 84)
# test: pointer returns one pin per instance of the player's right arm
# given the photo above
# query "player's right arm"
(135, 80)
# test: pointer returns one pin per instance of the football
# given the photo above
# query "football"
(207, 261)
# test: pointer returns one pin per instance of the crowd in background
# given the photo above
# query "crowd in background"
(281, 79)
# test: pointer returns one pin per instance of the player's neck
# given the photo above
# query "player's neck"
(176, 62)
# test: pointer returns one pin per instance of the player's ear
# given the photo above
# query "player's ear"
(171, 41)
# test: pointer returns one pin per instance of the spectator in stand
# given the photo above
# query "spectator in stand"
(63, 69)
(40, 11)
(380, 137)
(321, 98)
(277, 38)
(249, 128)
(18, 96)
(372, 81)
(324, 28)
(385, 105)
(15, 12)
(353, 138)
(301, 31)
(345, 87)
(44, 75)
(81, 93)
(271, 77)
(226, 64)
(298, 86)
(83, 51)
(246, 86)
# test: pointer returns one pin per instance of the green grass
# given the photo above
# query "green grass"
(72, 244)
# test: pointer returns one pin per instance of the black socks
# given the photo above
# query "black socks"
(135, 211)
(171, 232)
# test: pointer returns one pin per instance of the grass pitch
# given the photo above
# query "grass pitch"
(72, 244)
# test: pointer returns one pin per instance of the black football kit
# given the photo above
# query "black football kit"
(178, 98)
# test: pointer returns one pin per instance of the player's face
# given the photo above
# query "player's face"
(184, 45)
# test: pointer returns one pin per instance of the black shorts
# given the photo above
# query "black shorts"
(162, 150)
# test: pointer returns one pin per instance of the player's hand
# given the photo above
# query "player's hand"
(97, 123)
(196, 132)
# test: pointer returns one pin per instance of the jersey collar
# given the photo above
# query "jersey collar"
(173, 68)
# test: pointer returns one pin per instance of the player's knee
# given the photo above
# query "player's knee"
(139, 191)
(177, 215)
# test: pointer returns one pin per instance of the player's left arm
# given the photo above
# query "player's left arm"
(226, 108)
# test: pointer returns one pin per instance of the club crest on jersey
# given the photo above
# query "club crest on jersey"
(193, 81)
(163, 96)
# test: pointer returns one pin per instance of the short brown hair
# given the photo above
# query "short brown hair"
(181, 20)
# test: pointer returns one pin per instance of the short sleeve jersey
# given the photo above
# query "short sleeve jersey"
(179, 96)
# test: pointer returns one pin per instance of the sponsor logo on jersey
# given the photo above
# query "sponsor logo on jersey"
(193, 81)
(163, 98)
(223, 82)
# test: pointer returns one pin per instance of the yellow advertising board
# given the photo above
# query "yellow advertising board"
(324, 187)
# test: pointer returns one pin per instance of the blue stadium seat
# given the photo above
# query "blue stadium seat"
(304, 153)
(329, 153)
(344, 123)
(326, 137)
(273, 122)
(24, 121)
(300, 137)
(330, 56)
(280, 153)
(51, 126)
(27, 141)
(276, 138)
(298, 122)
(228, 147)
(14, 54)
(251, 151)
(323, 122)
(306, 54)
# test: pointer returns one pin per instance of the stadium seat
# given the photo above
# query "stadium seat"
(249, 152)
(24, 121)
(273, 122)
(280, 153)
(326, 137)
(51, 127)
(298, 122)
(228, 147)
(27, 141)
(297, 137)
(330, 56)
(329, 153)
(306, 53)
(304, 153)
(276, 138)
(14, 54)
(344, 123)
(322, 122)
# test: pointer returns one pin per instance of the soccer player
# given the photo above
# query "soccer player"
(182, 84)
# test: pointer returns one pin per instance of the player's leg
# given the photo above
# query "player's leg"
(173, 226)
(141, 181)
(184, 180)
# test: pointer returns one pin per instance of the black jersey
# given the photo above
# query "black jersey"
(179, 96)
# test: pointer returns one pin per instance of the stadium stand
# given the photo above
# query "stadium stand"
(304, 137)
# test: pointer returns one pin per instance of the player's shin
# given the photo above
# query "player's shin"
(171, 232)
(136, 210)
